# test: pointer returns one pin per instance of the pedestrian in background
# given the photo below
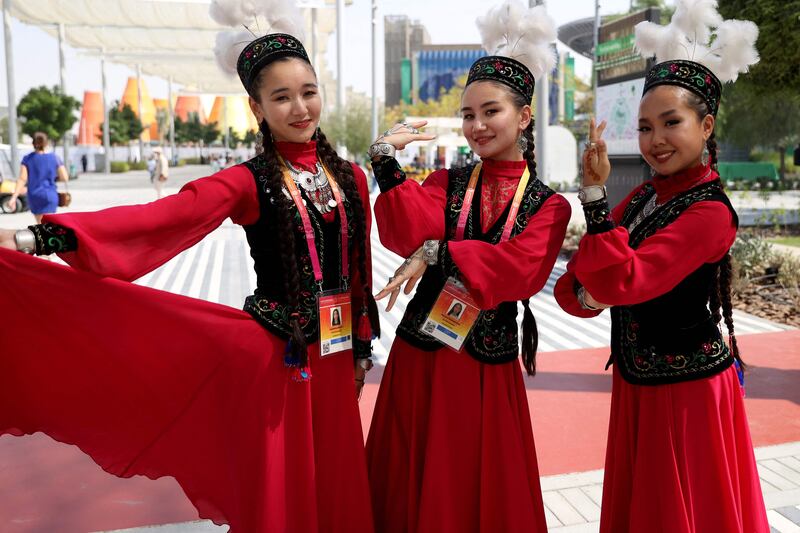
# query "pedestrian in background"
(39, 171)
(161, 171)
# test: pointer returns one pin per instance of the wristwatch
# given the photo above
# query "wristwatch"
(366, 363)
(592, 193)
(381, 149)
(430, 252)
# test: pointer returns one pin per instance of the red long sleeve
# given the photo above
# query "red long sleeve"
(616, 274)
(128, 241)
(518, 268)
(411, 213)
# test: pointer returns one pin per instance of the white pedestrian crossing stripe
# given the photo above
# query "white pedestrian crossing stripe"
(219, 269)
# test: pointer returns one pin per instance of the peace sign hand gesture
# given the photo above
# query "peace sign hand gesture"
(596, 166)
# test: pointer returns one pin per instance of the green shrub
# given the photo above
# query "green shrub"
(138, 165)
(192, 161)
(120, 166)
(751, 255)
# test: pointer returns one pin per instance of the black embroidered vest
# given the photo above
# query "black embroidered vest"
(269, 303)
(494, 337)
(673, 337)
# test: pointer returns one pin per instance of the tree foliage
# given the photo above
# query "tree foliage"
(47, 110)
(193, 131)
(123, 125)
(351, 127)
(778, 42)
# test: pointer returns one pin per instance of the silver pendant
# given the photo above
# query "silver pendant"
(332, 203)
(306, 180)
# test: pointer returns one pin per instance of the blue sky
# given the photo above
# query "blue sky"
(447, 21)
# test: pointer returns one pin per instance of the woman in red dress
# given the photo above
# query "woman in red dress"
(451, 447)
(679, 454)
(261, 431)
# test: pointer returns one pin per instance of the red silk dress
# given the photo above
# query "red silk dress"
(679, 456)
(156, 384)
(451, 447)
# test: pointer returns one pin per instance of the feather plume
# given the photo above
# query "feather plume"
(698, 33)
(695, 18)
(229, 44)
(283, 16)
(233, 12)
(514, 31)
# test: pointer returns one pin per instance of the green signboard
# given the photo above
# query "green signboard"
(405, 80)
(569, 88)
(615, 45)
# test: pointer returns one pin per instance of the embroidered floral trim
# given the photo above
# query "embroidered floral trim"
(53, 238)
(388, 173)
(265, 50)
(644, 362)
(689, 75)
(507, 71)
(598, 217)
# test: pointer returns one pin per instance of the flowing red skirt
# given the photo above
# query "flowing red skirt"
(155, 384)
(680, 460)
(451, 447)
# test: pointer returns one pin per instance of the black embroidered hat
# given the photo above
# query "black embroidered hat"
(263, 51)
(505, 70)
(689, 75)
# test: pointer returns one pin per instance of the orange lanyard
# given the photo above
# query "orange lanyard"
(470, 194)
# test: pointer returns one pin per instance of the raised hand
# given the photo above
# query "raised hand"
(410, 272)
(596, 167)
(402, 134)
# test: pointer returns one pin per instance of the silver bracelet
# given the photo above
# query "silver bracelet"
(430, 252)
(582, 300)
(25, 241)
(381, 149)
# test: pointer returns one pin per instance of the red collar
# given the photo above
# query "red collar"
(667, 187)
(493, 168)
(299, 154)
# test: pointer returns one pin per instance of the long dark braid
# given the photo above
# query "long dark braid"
(720, 292)
(343, 174)
(530, 331)
(291, 274)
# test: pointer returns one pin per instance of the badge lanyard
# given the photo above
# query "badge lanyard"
(308, 229)
(455, 312)
(470, 194)
(333, 307)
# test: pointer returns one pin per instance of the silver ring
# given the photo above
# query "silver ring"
(591, 144)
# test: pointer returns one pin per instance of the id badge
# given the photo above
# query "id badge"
(453, 315)
(335, 322)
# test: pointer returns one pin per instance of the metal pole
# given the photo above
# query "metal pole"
(542, 117)
(106, 134)
(374, 69)
(139, 108)
(594, 50)
(13, 136)
(225, 124)
(171, 113)
(340, 100)
(63, 79)
(314, 37)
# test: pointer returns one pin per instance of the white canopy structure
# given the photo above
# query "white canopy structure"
(166, 38)
(170, 39)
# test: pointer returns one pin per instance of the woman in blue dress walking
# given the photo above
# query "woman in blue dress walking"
(39, 171)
